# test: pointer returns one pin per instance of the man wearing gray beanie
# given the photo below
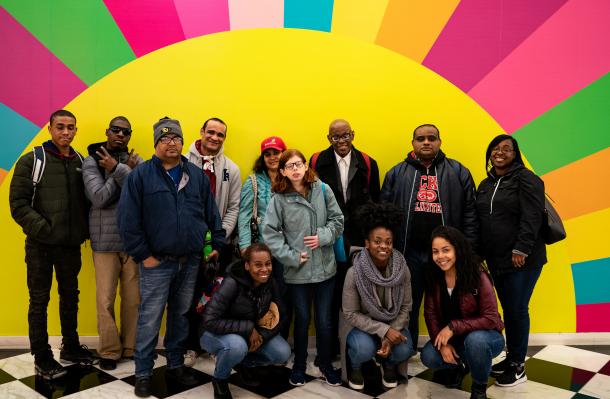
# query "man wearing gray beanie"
(165, 210)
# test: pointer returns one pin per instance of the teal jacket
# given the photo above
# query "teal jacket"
(289, 218)
(246, 203)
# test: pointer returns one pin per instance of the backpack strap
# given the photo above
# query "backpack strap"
(314, 160)
(37, 168)
(367, 162)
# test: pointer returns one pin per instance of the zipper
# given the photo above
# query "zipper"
(65, 162)
(491, 203)
(438, 188)
(404, 250)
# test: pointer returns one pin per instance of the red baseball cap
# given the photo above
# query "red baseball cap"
(273, 142)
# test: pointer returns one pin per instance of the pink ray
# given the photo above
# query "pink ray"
(247, 14)
(203, 17)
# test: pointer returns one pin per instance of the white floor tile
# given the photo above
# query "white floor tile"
(423, 389)
(207, 391)
(18, 390)
(112, 390)
(19, 366)
(598, 386)
(529, 390)
(574, 357)
(415, 365)
(319, 389)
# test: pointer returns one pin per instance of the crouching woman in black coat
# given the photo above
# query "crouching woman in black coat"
(242, 321)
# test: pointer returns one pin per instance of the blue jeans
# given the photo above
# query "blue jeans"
(477, 351)
(417, 260)
(321, 295)
(362, 347)
(170, 283)
(514, 291)
(232, 349)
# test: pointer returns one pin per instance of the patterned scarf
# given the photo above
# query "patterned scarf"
(367, 276)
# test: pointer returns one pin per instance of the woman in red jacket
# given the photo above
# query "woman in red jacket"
(461, 312)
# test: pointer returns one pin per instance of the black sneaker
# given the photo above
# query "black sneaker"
(107, 364)
(297, 377)
(513, 375)
(183, 375)
(389, 379)
(48, 368)
(355, 380)
(331, 376)
(78, 354)
(498, 368)
(478, 391)
(143, 388)
(248, 375)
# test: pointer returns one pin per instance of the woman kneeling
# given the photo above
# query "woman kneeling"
(377, 300)
(242, 321)
(461, 312)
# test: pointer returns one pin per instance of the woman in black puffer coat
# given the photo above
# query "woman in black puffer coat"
(243, 319)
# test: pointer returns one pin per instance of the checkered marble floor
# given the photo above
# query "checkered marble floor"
(553, 371)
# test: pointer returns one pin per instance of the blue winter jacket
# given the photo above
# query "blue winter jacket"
(157, 219)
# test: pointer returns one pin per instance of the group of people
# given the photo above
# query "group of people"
(319, 233)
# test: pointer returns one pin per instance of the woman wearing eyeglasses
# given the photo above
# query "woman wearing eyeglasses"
(302, 222)
(510, 206)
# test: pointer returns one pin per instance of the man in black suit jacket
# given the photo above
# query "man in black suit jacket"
(354, 178)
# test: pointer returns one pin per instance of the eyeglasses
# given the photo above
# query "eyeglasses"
(294, 165)
(170, 139)
(503, 150)
(115, 129)
(344, 137)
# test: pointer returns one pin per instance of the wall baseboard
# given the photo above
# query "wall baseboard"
(601, 338)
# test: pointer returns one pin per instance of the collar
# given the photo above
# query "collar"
(348, 158)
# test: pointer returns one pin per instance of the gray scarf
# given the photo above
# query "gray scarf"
(367, 276)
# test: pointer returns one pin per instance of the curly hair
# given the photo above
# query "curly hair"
(371, 216)
(468, 265)
(282, 184)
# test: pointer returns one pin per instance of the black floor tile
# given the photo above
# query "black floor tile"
(163, 386)
(273, 381)
(605, 349)
(557, 375)
(606, 369)
(78, 379)
(6, 353)
(5, 377)
(532, 350)
(583, 396)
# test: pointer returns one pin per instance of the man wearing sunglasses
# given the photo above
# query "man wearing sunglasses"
(104, 171)
(354, 178)
(166, 208)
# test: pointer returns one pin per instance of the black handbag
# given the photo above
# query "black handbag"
(254, 220)
(552, 229)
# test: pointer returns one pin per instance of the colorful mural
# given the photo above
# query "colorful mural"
(538, 70)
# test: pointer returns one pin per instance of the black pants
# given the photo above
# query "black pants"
(40, 260)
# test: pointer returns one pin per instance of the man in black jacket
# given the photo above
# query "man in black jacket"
(354, 178)
(432, 190)
(53, 215)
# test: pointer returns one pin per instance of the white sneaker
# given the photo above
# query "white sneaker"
(190, 357)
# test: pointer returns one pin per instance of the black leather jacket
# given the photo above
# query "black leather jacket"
(456, 192)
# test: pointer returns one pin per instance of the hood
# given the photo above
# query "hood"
(92, 148)
(412, 160)
(50, 147)
(194, 149)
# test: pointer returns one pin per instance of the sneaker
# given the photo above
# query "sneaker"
(48, 368)
(389, 379)
(297, 377)
(143, 387)
(513, 375)
(183, 375)
(331, 375)
(478, 391)
(498, 368)
(247, 375)
(355, 380)
(107, 364)
(78, 354)
(190, 358)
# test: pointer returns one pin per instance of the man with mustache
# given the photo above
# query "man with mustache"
(104, 172)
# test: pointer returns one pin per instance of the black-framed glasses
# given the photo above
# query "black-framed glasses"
(343, 137)
(116, 129)
(503, 150)
(294, 165)
(169, 139)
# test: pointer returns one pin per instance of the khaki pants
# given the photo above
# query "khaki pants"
(110, 268)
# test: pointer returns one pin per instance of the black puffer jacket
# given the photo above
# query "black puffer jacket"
(237, 305)
(58, 215)
(511, 213)
(456, 195)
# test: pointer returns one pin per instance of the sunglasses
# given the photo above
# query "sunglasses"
(116, 129)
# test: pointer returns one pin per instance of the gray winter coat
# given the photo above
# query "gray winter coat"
(290, 218)
(103, 190)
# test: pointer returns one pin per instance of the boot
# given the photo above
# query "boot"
(221, 389)
(477, 391)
